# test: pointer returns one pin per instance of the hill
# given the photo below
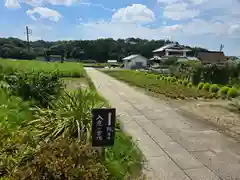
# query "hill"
(100, 49)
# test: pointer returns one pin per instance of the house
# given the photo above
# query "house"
(135, 61)
(112, 61)
(188, 59)
(172, 49)
(55, 58)
(212, 57)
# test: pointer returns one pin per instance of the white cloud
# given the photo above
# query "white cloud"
(62, 2)
(134, 13)
(98, 5)
(36, 3)
(168, 1)
(13, 4)
(180, 11)
(44, 13)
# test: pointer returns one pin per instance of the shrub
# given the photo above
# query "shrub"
(185, 82)
(232, 93)
(224, 90)
(41, 87)
(190, 84)
(63, 159)
(214, 88)
(163, 78)
(159, 77)
(180, 81)
(173, 79)
(206, 86)
(200, 85)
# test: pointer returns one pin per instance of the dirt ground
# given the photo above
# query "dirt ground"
(217, 112)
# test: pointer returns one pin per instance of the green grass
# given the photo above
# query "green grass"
(153, 83)
(30, 132)
(124, 159)
(66, 69)
(13, 111)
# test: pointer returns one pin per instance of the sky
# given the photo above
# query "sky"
(202, 23)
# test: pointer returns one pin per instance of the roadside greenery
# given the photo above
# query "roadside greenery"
(172, 87)
(45, 131)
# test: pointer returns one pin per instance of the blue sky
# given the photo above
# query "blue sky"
(204, 23)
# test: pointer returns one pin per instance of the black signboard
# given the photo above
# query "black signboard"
(103, 127)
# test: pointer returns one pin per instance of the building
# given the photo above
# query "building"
(212, 57)
(135, 61)
(172, 49)
(112, 61)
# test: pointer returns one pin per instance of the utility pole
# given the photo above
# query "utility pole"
(221, 47)
(28, 32)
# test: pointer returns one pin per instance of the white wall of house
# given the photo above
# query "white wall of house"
(135, 62)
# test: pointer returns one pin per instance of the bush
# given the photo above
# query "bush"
(173, 79)
(190, 85)
(159, 77)
(233, 92)
(200, 86)
(224, 90)
(206, 86)
(41, 87)
(214, 88)
(185, 82)
(180, 81)
(63, 159)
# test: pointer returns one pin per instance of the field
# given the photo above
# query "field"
(67, 69)
(155, 84)
(45, 120)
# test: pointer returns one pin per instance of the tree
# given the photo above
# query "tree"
(100, 50)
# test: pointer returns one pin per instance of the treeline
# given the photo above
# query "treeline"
(100, 49)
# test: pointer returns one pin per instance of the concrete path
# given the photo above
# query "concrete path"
(176, 148)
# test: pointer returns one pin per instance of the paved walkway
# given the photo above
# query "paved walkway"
(177, 148)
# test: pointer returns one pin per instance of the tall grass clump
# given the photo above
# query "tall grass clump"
(70, 116)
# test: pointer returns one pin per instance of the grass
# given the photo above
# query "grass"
(66, 69)
(155, 84)
(54, 142)
(123, 160)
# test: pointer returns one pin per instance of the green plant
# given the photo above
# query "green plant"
(63, 159)
(214, 88)
(232, 92)
(173, 79)
(224, 90)
(159, 77)
(41, 87)
(206, 86)
(70, 116)
(185, 82)
(190, 85)
(180, 81)
(200, 85)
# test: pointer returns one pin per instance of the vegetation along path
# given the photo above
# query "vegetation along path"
(176, 147)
